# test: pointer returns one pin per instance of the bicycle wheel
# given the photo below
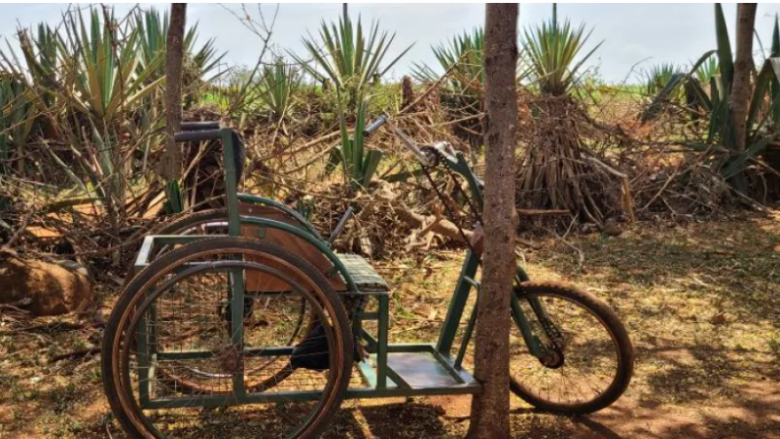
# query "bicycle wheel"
(214, 222)
(171, 317)
(586, 358)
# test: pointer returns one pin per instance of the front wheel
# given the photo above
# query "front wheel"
(584, 358)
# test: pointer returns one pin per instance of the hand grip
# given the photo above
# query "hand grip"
(375, 125)
(200, 126)
(340, 226)
(196, 136)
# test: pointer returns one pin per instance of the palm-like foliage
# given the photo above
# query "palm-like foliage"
(108, 73)
(154, 31)
(17, 115)
(465, 56)
(716, 67)
(350, 58)
(551, 50)
(277, 86)
(40, 51)
(359, 164)
(707, 70)
(658, 77)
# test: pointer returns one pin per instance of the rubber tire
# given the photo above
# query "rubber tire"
(175, 227)
(212, 244)
(615, 327)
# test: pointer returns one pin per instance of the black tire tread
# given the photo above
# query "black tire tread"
(214, 243)
(609, 318)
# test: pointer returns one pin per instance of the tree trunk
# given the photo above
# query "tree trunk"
(743, 66)
(490, 409)
(170, 168)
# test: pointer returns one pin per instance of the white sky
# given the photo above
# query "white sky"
(676, 33)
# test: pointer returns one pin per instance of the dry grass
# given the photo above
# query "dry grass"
(701, 302)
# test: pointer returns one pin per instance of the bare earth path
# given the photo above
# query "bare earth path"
(701, 301)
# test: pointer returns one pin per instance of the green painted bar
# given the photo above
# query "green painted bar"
(524, 326)
(410, 347)
(473, 283)
(292, 396)
(143, 360)
(372, 343)
(464, 344)
(197, 355)
(249, 198)
(231, 182)
(382, 340)
(395, 378)
(457, 304)
(368, 373)
(447, 364)
(237, 325)
(146, 249)
(368, 316)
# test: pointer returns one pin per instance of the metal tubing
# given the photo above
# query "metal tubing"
(457, 305)
(197, 136)
(249, 198)
(464, 344)
(524, 326)
(231, 183)
(294, 396)
(200, 126)
(198, 355)
(381, 356)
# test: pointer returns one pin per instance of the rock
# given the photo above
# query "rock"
(718, 319)
(44, 289)
(612, 230)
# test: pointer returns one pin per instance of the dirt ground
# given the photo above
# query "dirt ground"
(701, 301)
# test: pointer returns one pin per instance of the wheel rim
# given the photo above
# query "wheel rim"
(579, 374)
(270, 414)
(217, 225)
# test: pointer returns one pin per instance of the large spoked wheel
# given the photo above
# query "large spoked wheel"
(214, 222)
(173, 317)
(586, 358)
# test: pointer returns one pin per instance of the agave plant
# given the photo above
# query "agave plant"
(40, 51)
(351, 59)
(154, 32)
(17, 115)
(108, 74)
(658, 77)
(551, 50)
(707, 70)
(719, 142)
(358, 163)
(465, 56)
(277, 86)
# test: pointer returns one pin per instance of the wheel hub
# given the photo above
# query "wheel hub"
(552, 359)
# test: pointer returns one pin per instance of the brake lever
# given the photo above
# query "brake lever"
(340, 226)
(445, 150)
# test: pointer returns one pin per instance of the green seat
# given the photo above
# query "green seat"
(368, 281)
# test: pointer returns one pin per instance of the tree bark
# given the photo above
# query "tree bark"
(743, 67)
(490, 409)
(170, 167)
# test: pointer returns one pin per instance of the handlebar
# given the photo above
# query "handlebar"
(375, 125)
(196, 136)
(200, 126)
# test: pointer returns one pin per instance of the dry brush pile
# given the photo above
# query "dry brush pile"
(82, 134)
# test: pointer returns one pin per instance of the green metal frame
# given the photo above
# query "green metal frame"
(380, 378)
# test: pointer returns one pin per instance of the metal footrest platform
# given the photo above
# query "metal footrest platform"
(363, 274)
(420, 370)
(412, 369)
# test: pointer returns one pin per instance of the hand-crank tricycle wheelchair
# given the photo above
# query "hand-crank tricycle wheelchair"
(244, 323)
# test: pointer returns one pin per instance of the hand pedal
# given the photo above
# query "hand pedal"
(340, 226)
